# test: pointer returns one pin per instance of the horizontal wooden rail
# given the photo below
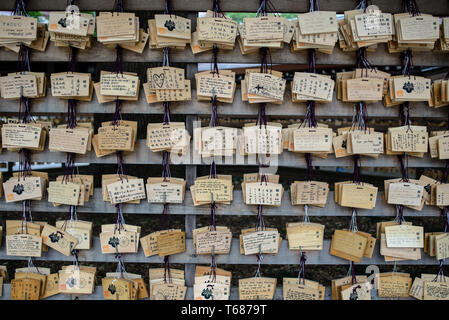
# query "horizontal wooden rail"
(284, 256)
(143, 155)
(50, 105)
(393, 6)
(236, 208)
(100, 53)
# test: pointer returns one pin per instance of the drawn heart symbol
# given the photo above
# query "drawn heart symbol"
(158, 80)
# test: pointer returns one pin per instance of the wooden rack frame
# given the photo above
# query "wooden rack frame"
(194, 109)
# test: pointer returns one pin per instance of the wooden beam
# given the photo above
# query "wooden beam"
(143, 155)
(237, 208)
(53, 105)
(100, 53)
(284, 256)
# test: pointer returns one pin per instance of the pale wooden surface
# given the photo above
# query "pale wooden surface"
(193, 108)
(143, 155)
(237, 207)
(284, 256)
(51, 105)
(99, 53)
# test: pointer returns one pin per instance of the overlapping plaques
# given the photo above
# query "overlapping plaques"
(46, 283)
(367, 28)
(17, 30)
(318, 138)
(116, 85)
(86, 183)
(407, 193)
(67, 192)
(77, 279)
(442, 44)
(338, 285)
(435, 290)
(305, 236)
(214, 30)
(302, 289)
(403, 243)
(124, 286)
(169, 30)
(117, 28)
(122, 29)
(168, 190)
(171, 137)
(262, 193)
(81, 230)
(23, 238)
(263, 87)
(108, 179)
(72, 85)
(309, 193)
(411, 139)
(3, 278)
(368, 85)
(19, 188)
(72, 29)
(112, 137)
(58, 239)
(407, 88)
(166, 84)
(264, 31)
(215, 141)
(140, 289)
(393, 284)
(220, 85)
(29, 136)
(212, 241)
(312, 87)
(211, 287)
(207, 190)
(355, 195)
(416, 32)
(316, 30)
(164, 242)
(257, 288)
(261, 139)
(119, 239)
(357, 291)
(26, 83)
(167, 284)
(438, 94)
(350, 141)
(417, 289)
(260, 241)
(75, 140)
(352, 245)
